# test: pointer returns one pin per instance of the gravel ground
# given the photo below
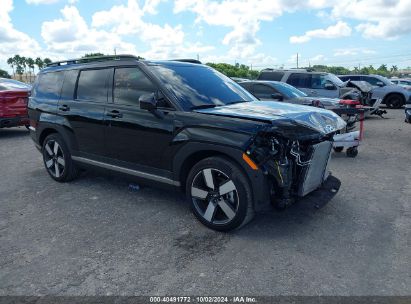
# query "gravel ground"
(96, 237)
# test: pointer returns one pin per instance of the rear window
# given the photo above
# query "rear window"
(49, 85)
(274, 76)
(92, 85)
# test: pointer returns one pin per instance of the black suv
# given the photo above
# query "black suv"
(181, 125)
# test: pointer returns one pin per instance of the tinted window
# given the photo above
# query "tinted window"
(198, 85)
(49, 85)
(289, 91)
(274, 76)
(130, 84)
(300, 80)
(353, 78)
(92, 85)
(263, 91)
(69, 84)
(371, 80)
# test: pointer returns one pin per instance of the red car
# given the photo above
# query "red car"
(14, 96)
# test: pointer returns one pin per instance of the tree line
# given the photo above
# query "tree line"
(25, 65)
(244, 71)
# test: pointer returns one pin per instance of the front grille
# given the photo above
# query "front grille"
(313, 174)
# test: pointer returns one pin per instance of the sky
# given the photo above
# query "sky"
(259, 33)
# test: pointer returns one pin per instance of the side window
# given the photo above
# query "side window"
(49, 85)
(69, 85)
(371, 80)
(274, 76)
(318, 81)
(129, 85)
(92, 85)
(300, 80)
(263, 91)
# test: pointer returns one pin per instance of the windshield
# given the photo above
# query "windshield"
(197, 86)
(335, 80)
(384, 80)
(289, 91)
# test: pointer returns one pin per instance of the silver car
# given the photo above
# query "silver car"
(394, 96)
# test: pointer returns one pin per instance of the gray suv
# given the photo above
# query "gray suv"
(312, 83)
(394, 96)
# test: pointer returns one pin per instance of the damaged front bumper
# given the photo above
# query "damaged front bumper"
(294, 168)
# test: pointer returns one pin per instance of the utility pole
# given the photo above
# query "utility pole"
(115, 52)
(297, 60)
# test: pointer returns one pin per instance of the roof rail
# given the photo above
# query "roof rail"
(93, 59)
(188, 60)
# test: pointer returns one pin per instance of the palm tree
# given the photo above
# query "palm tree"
(30, 64)
(19, 66)
(39, 62)
(11, 63)
(24, 65)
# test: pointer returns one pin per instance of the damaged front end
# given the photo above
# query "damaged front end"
(294, 155)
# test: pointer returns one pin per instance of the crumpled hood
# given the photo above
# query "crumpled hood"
(320, 120)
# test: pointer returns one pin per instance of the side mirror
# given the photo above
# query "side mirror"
(277, 96)
(149, 102)
(380, 83)
(329, 86)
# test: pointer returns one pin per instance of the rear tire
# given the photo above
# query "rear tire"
(219, 194)
(57, 159)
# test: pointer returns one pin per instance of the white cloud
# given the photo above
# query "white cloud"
(341, 29)
(163, 41)
(37, 2)
(352, 51)
(387, 19)
(243, 17)
(71, 35)
(13, 41)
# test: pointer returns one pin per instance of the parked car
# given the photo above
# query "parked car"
(405, 83)
(408, 111)
(230, 153)
(13, 103)
(319, 84)
(316, 84)
(280, 91)
(392, 95)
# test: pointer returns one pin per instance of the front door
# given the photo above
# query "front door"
(134, 135)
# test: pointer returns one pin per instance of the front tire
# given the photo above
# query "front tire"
(219, 194)
(395, 101)
(57, 159)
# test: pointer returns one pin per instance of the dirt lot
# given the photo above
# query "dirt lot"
(95, 236)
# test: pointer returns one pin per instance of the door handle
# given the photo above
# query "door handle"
(115, 114)
(64, 108)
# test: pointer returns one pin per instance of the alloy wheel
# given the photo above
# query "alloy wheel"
(54, 158)
(215, 196)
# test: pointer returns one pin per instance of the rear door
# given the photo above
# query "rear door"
(302, 81)
(82, 104)
(134, 135)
